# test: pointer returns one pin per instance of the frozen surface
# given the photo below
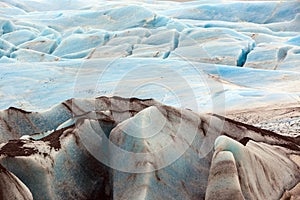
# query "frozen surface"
(61, 62)
(51, 51)
(118, 148)
(204, 87)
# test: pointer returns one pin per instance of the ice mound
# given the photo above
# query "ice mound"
(124, 148)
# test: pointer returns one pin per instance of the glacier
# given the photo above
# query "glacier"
(66, 39)
(149, 99)
(141, 149)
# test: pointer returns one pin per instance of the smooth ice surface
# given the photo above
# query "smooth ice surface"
(203, 87)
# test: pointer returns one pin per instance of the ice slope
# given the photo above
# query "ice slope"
(140, 149)
(11, 187)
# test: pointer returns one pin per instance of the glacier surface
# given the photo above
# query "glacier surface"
(125, 99)
(216, 44)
